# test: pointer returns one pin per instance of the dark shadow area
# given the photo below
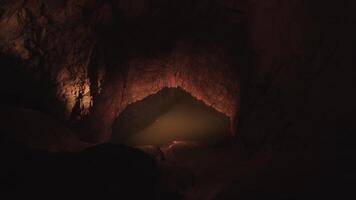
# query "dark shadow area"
(283, 70)
(102, 171)
(170, 114)
(20, 89)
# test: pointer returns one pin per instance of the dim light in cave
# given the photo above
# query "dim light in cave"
(168, 115)
(144, 77)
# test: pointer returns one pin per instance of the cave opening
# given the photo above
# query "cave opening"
(171, 114)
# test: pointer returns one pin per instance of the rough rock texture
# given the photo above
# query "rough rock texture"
(281, 69)
(195, 72)
(100, 56)
(97, 57)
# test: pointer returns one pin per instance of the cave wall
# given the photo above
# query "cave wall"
(97, 57)
(202, 73)
(279, 69)
(297, 88)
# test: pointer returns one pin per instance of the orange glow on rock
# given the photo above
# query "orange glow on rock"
(204, 73)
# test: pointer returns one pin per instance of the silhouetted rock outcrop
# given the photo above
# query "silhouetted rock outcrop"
(101, 171)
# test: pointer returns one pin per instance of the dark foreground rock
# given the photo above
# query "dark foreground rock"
(101, 171)
(38, 130)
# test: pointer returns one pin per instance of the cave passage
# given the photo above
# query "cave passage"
(169, 115)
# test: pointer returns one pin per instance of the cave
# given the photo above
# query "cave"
(169, 115)
(178, 99)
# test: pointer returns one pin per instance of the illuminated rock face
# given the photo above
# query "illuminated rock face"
(195, 72)
(97, 57)
(100, 56)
